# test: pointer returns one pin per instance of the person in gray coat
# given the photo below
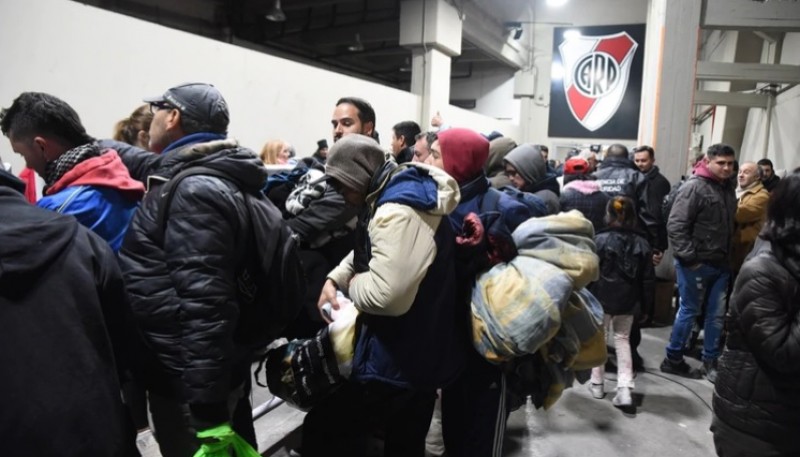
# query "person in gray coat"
(527, 170)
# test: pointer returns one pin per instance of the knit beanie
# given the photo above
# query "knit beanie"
(464, 153)
(528, 161)
(353, 160)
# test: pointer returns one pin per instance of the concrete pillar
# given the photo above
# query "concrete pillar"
(432, 30)
(525, 91)
(669, 82)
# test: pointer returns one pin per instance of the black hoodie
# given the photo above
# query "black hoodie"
(61, 305)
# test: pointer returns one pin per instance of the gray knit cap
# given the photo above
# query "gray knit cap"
(528, 160)
(353, 160)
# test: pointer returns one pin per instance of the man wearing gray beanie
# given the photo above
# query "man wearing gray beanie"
(401, 278)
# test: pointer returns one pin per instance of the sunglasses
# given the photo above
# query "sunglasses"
(155, 106)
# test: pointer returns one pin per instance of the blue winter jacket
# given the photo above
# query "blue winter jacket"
(103, 210)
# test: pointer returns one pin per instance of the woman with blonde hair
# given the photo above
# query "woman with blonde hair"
(276, 152)
(135, 128)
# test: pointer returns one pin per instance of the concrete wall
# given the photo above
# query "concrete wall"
(493, 92)
(103, 63)
(784, 139)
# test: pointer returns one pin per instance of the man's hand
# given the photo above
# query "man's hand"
(657, 257)
(328, 295)
(436, 120)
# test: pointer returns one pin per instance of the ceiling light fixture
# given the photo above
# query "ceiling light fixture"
(357, 45)
(276, 14)
(556, 3)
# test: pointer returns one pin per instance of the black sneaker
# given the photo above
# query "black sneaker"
(680, 368)
(710, 370)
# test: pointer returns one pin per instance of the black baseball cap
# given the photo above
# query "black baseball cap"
(199, 101)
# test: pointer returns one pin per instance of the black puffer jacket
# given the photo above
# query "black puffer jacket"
(758, 384)
(184, 294)
(627, 276)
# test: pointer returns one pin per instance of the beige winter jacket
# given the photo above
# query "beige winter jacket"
(751, 213)
(403, 247)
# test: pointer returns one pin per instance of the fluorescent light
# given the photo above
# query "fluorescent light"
(572, 34)
(557, 71)
(556, 3)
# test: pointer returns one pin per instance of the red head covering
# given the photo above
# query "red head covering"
(576, 166)
(464, 152)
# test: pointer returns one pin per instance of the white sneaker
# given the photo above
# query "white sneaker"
(623, 397)
(597, 390)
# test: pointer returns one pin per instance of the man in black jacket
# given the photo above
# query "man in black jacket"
(184, 277)
(403, 138)
(657, 187)
(325, 227)
(62, 308)
(700, 228)
(617, 175)
(768, 177)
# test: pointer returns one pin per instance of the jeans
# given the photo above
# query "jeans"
(705, 285)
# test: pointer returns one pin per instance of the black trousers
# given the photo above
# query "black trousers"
(475, 410)
(342, 423)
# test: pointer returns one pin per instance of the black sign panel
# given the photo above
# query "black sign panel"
(596, 81)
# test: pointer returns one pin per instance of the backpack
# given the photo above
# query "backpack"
(669, 199)
(535, 204)
(271, 290)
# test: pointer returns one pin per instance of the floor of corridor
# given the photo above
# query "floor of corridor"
(671, 418)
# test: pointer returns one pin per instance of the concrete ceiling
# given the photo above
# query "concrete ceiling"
(360, 37)
(355, 37)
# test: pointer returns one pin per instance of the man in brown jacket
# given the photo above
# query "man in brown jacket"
(751, 212)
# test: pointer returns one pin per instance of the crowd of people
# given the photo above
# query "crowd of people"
(118, 305)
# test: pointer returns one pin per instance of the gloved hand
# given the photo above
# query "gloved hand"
(222, 441)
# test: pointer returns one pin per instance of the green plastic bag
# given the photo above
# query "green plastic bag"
(227, 443)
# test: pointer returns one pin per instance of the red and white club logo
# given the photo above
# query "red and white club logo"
(596, 70)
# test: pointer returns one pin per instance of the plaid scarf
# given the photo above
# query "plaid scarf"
(57, 168)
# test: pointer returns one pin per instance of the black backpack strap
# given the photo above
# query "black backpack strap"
(167, 193)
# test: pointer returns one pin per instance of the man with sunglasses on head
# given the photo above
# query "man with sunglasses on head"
(184, 273)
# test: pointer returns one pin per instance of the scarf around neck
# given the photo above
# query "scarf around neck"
(57, 168)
